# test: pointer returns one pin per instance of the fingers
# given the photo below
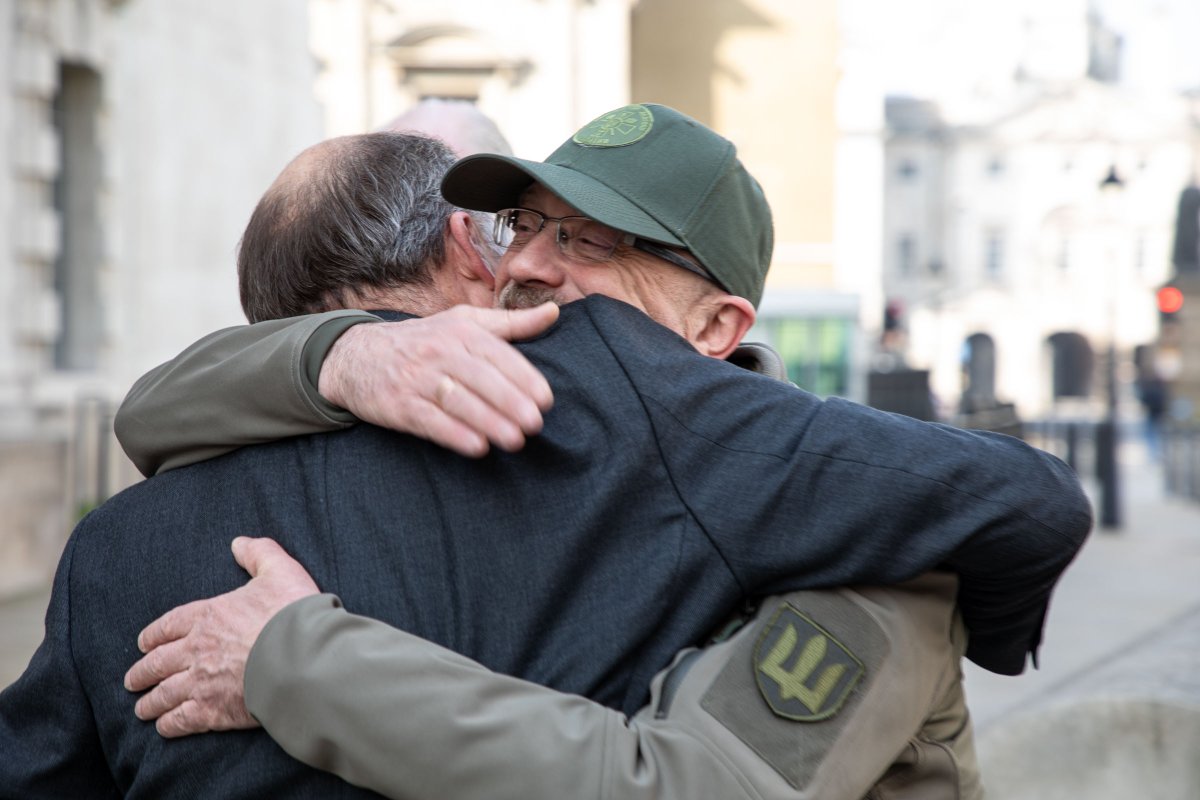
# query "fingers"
(163, 661)
(192, 716)
(483, 360)
(276, 578)
(489, 386)
(254, 555)
(431, 422)
(485, 402)
(169, 693)
(182, 721)
(172, 625)
(451, 378)
(516, 324)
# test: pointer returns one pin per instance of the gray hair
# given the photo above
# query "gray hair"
(459, 123)
(466, 130)
(353, 214)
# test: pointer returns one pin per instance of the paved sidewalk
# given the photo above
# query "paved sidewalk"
(1124, 585)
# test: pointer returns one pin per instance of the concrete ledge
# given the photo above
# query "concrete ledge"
(1128, 726)
(34, 525)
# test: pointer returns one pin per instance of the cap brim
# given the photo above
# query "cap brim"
(485, 182)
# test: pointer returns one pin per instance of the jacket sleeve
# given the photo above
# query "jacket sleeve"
(238, 386)
(797, 492)
(48, 740)
(409, 719)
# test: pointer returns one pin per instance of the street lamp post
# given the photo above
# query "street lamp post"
(1107, 439)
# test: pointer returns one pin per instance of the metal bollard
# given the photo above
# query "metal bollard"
(1107, 473)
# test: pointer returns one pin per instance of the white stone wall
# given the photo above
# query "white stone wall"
(201, 105)
(9, 381)
(208, 102)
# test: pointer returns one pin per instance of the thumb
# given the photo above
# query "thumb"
(519, 323)
(254, 555)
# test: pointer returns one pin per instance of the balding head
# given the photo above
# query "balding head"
(355, 215)
(460, 124)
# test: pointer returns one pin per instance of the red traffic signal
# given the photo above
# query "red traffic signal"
(1170, 299)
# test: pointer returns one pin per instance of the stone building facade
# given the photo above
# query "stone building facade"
(136, 137)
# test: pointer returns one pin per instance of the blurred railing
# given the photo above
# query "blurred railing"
(1088, 447)
(1072, 440)
(1181, 460)
(51, 474)
(1075, 442)
(97, 468)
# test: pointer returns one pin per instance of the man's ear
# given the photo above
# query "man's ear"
(464, 241)
(723, 322)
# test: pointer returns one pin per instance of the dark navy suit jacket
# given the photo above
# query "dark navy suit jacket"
(665, 489)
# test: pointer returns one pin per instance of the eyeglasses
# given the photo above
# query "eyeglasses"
(581, 238)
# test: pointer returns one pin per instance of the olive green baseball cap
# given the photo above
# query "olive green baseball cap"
(647, 170)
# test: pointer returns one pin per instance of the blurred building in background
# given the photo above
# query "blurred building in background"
(1020, 247)
(963, 218)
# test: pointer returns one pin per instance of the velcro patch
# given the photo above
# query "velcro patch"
(803, 672)
(797, 678)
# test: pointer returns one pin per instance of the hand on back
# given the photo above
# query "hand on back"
(196, 654)
(451, 378)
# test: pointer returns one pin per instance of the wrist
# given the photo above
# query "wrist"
(330, 382)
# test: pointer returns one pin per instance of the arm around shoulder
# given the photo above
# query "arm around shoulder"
(238, 386)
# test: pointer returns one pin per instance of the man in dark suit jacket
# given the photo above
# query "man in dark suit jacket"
(665, 488)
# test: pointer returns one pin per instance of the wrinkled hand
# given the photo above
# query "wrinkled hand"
(451, 378)
(196, 653)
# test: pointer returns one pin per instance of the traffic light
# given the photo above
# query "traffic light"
(1170, 301)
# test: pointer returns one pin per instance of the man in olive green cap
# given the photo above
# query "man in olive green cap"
(661, 179)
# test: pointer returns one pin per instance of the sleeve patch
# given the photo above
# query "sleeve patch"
(793, 684)
(803, 672)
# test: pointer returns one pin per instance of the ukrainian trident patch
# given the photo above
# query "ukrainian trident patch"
(802, 671)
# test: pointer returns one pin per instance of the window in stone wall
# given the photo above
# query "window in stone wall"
(1063, 258)
(77, 191)
(993, 254)
(906, 254)
(908, 171)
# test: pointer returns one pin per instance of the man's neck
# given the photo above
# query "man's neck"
(421, 301)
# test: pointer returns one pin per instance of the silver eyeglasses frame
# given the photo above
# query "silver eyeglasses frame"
(501, 235)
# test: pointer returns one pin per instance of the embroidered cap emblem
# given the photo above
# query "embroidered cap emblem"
(616, 128)
(803, 673)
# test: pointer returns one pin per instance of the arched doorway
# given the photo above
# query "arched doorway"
(979, 372)
(1072, 365)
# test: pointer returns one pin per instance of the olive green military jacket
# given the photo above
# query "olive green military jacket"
(846, 693)
(235, 387)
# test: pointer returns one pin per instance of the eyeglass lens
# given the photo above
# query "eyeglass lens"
(579, 237)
